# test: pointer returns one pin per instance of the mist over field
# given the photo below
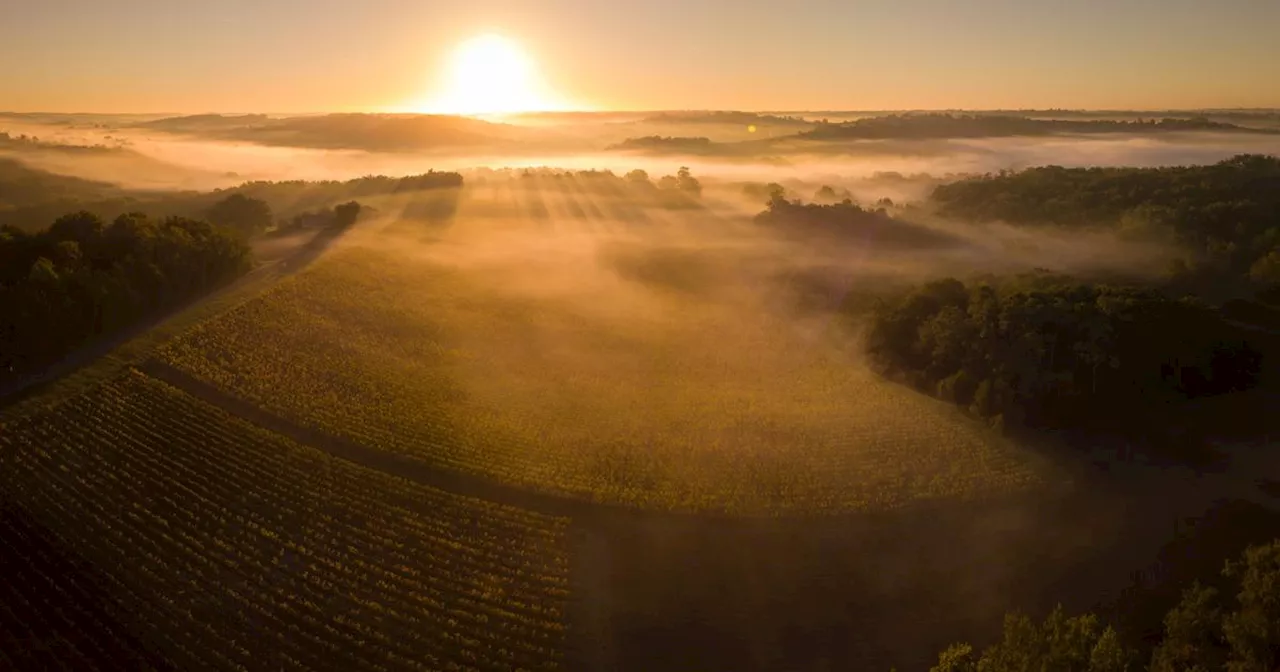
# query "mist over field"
(220, 151)
(720, 374)
(581, 336)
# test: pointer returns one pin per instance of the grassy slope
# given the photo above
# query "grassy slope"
(419, 357)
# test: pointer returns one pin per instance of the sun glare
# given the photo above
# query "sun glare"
(491, 75)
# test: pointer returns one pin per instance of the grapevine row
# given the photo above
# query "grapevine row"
(233, 546)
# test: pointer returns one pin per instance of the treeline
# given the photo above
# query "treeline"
(726, 117)
(369, 185)
(682, 190)
(80, 280)
(846, 220)
(1227, 215)
(1205, 632)
(335, 219)
(1047, 352)
(940, 126)
(30, 199)
(23, 141)
(691, 144)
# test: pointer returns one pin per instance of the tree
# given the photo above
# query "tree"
(687, 182)
(346, 214)
(80, 227)
(956, 658)
(1266, 270)
(1192, 634)
(249, 216)
(75, 282)
(44, 273)
(777, 195)
(1253, 631)
(1060, 644)
(638, 177)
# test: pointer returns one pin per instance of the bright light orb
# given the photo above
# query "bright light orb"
(491, 75)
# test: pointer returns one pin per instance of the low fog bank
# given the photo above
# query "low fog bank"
(656, 324)
(140, 154)
(130, 158)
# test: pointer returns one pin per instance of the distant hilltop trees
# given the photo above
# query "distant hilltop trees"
(938, 126)
(23, 141)
(729, 117)
(663, 142)
(31, 198)
(1226, 215)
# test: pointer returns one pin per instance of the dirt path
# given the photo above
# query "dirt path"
(282, 258)
(658, 590)
(397, 465)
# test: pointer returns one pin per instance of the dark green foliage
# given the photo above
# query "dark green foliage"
(346, 214)
(80, 280)
(1203, 633)
(846, 220)
(249, 216)
(339, 217)
(1253, 631)
(1060, 644)
(30, 199)
(1192, 634)
(1226, 214)
(1048, 352)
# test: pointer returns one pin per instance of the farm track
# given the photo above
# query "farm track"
(622, 557)
(398, 465)
(583, 511)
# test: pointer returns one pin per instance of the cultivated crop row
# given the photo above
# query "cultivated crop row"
(417, 358)
(235, 548)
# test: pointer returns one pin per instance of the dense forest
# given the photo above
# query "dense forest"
(31, 198)
(1205, 631)
(844, 219)
(1048, 352)
(1227, 215)
(81, 279)
(942, 126)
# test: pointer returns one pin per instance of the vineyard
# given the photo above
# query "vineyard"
(703, 412)
(225, 546)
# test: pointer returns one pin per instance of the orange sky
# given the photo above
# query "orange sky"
(323, 55)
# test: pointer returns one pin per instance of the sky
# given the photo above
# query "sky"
(293, 56)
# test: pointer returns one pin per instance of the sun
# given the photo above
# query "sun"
(489, 75)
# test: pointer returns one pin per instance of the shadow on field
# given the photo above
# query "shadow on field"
(56, 613)
(655, 590)
(860, 592)
(687, 270)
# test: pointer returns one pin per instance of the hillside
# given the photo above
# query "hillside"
(370, 132)
(939, 125)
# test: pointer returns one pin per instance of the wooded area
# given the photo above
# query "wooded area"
(82, 279)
